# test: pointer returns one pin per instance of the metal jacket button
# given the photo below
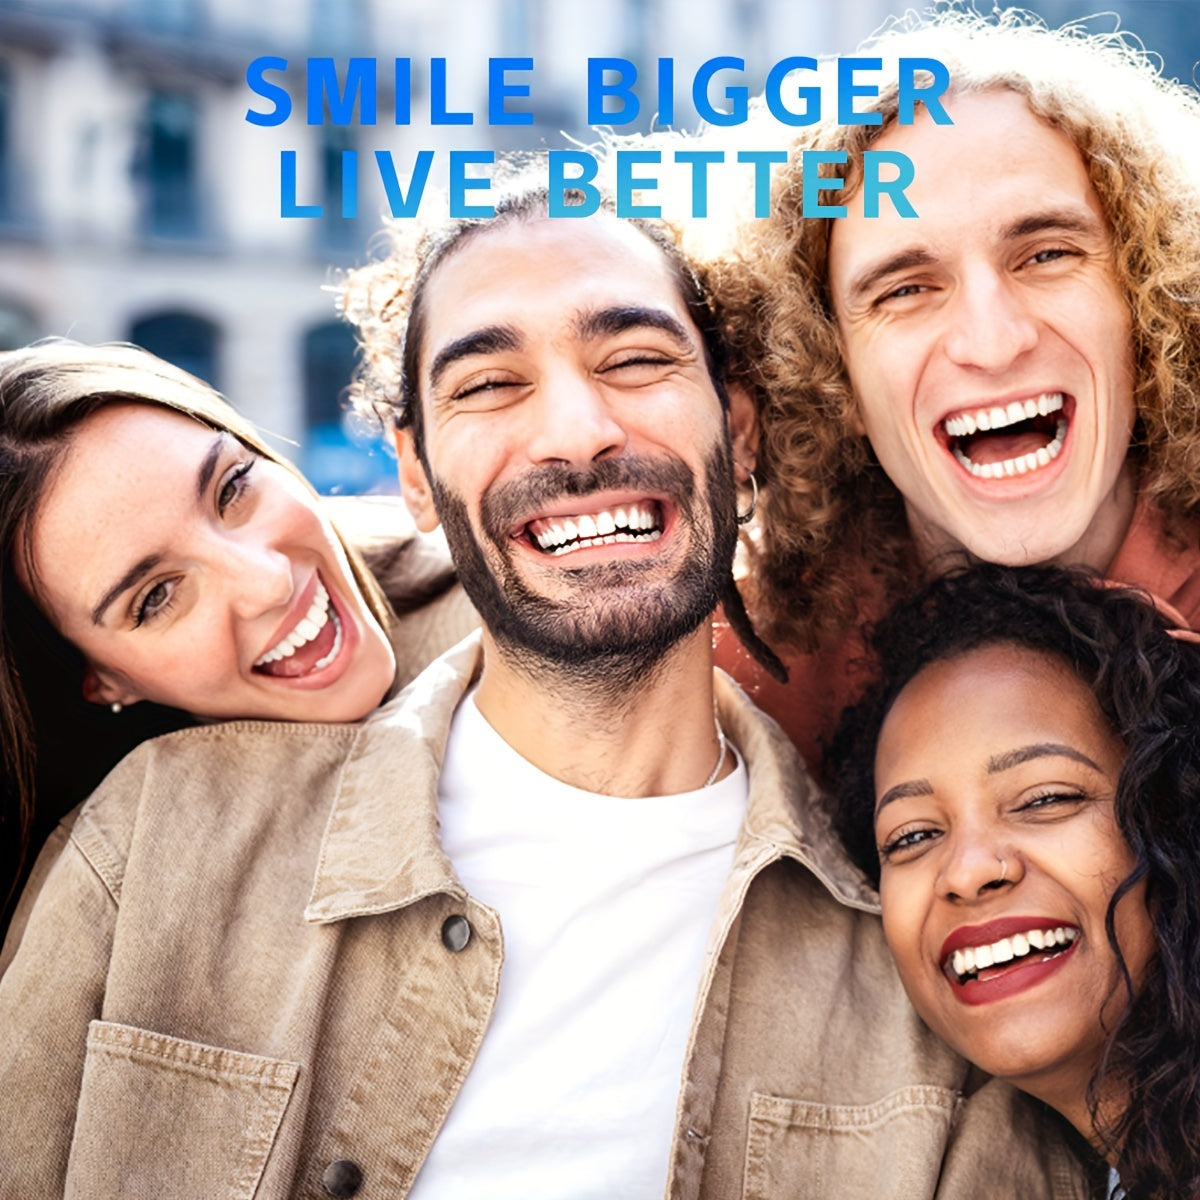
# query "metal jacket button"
(456, 932)
(342, 1177)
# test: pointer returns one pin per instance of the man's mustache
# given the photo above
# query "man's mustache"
(506, 505)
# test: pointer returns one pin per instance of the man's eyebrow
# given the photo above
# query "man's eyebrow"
(903, 791)
(1070, 220)
(479, 341)
(903, 260)
(1023, 754)
(605, 322)
(143, 567)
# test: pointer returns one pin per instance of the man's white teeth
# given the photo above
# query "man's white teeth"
(1022, 464)
(998, 417)
(306, 629)
(631, 523)
(978, 958)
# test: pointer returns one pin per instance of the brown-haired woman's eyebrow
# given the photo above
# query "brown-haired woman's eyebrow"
(204, 475)
(140, 568)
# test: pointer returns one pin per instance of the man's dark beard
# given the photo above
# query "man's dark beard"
(614, 629)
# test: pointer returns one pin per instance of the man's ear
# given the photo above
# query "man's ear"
(100, 687)
(744, 428)
(414, 483)
(856, 422)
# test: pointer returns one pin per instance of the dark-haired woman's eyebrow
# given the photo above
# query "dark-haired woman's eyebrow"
(1023, 754)
(904, 791)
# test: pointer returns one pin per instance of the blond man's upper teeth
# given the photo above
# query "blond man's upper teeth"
(1000, 416)
(305, 630)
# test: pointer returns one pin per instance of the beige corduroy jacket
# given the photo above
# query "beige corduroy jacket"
(246, 969)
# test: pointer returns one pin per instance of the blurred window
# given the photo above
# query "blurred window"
(6, 149)
(17, 325)
(338, 26)
(337, 236)
(165, 16)
(166, 166)
(188, 341)
(342, 452)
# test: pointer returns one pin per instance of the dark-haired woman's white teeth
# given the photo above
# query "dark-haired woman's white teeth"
(968, 960)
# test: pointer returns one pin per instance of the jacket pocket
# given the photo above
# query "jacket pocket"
(889, 1150)
(161, 1118)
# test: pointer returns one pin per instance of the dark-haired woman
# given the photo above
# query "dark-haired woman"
(1024, 785)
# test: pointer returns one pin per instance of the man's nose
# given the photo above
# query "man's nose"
(990, 321)
(572, 421)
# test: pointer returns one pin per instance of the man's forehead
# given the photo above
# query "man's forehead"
(1000, 172)
(531, 269)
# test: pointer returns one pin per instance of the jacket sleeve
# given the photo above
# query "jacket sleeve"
(54, 964)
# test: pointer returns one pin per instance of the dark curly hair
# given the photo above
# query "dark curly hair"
(385, 301)
(1147, 683)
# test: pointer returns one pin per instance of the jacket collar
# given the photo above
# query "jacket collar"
(787, 816)
(382, 850)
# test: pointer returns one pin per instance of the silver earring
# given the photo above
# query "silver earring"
(116, 706)
(748, 516)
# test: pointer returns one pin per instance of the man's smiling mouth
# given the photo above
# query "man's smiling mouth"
(1036, 944)
(637, 522)
(1007, 440)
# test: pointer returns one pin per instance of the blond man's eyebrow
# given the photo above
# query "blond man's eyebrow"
(902, 260)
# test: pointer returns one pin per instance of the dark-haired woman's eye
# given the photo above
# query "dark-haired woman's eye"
(907, 839)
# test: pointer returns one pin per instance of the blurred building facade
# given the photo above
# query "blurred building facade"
(137, 202)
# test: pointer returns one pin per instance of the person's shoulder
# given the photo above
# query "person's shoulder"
(411, 567)
(204, 784)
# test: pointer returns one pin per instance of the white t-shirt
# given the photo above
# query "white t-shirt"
(606, 904)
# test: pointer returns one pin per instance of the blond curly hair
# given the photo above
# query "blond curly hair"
(830, 517)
